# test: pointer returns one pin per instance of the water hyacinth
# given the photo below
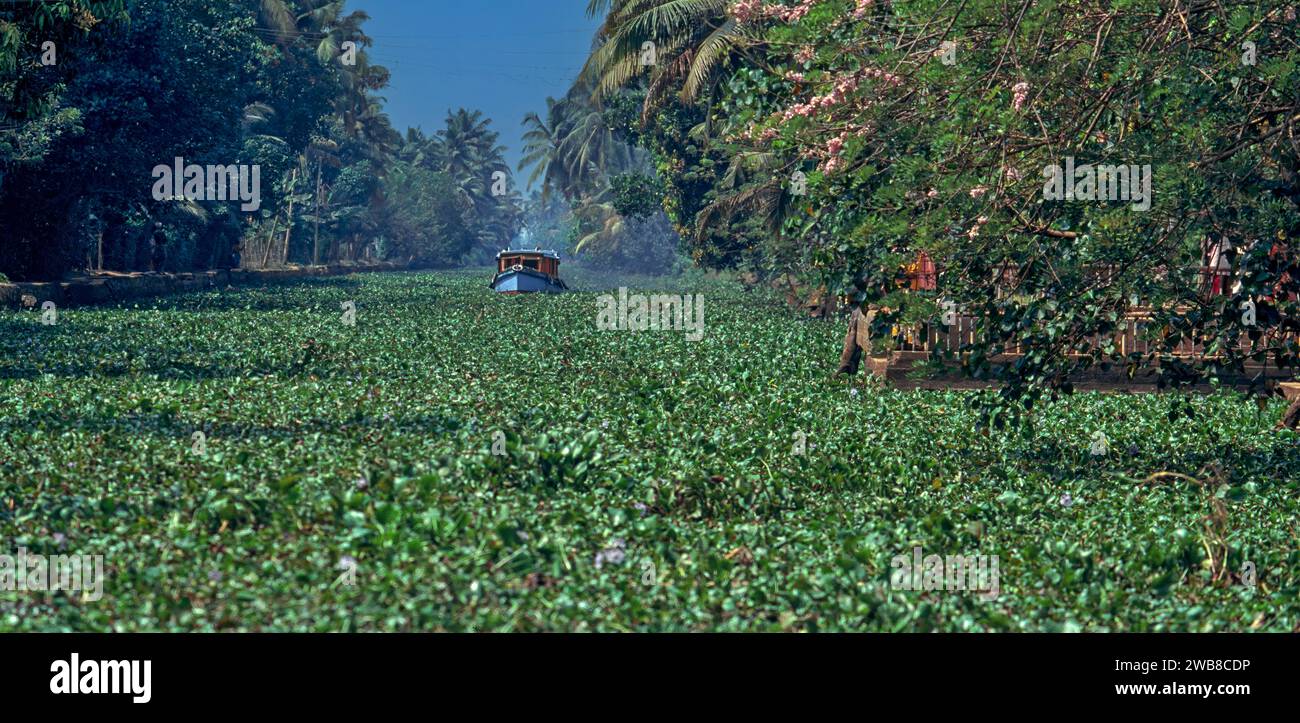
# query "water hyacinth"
(269, 526)
(480, 450)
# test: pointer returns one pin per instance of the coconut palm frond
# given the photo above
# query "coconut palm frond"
(710, 56)
(279, 15)
(762, 201)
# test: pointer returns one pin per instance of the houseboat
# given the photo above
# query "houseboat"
(527, 272)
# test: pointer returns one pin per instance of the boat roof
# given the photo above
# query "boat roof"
(547, 253)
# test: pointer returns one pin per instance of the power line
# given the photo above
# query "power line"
(268, 34)
(458, 36)
(559, 68)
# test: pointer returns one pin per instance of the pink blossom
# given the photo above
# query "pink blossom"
(746, 10)
(1021, 93)
(978, 191)
(802, 110)
(796, 13)
(750, 10)
(888, 78)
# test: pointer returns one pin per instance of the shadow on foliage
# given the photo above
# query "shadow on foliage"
(266, 296)
(1276, 458)
(171, 425)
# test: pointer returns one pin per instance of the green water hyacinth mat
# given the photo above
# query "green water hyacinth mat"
(453, 459)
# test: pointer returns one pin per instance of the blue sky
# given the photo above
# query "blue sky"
(501, 56)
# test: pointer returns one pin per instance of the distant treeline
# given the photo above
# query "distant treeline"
(95, 95)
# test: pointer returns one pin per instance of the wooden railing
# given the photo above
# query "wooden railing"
(1131, 337)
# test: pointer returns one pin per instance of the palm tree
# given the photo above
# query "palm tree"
(752, 186)
(321, 152)
(467, 151)
(467, 145)
(689, 41)
(319, 22)
(605, 223)
(541, 151)
(556, 153)
(574, 151)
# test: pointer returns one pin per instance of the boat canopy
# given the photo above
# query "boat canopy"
(546, 262)
(544, 253)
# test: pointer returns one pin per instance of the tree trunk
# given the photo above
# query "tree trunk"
(270, 241)
(857, 341)
(851, 356)
(315, 244)
(1291, 420)
(293, 182)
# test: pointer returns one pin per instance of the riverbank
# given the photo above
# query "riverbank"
(111, 288)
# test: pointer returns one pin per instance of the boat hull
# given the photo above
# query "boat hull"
(527, 281)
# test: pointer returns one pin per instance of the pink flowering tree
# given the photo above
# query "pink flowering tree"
(1063, 166)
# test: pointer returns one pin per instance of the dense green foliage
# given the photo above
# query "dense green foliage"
(426, 216)
(854, 134)
(466, 151)
(583, 153)
(284, 85)
(673, 462)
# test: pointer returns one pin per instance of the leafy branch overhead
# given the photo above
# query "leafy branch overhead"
(839, 139)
